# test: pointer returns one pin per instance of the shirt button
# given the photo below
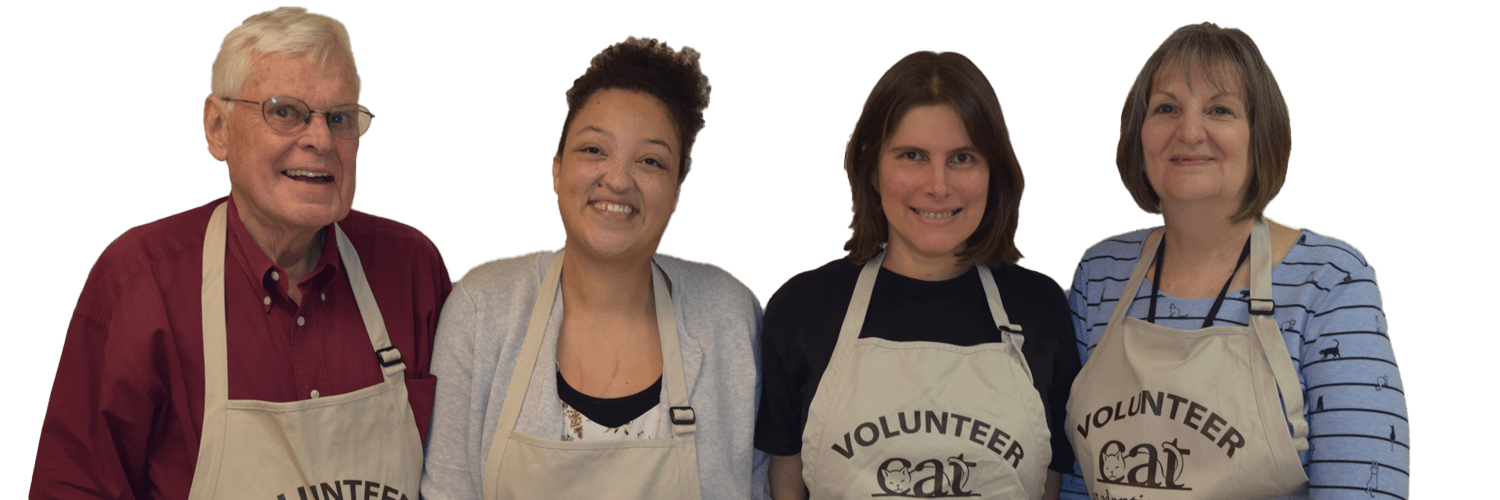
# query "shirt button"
(315, 394)
(301, 320)
(267, 300)
(322, 296)
(275, 276)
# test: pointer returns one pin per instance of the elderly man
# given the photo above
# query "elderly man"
(271, 345)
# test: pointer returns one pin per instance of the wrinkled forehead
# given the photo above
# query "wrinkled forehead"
(1220, 73)
(276, 67)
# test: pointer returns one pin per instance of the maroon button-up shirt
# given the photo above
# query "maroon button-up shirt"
(126, 411)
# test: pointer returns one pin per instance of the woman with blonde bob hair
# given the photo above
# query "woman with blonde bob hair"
(1226, 356)
(948, 378)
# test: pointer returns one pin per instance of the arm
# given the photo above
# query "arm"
(1054, 485)
(99, 425)
(786, 478)
(1079, 312)
(454, 460)
(1359, 440)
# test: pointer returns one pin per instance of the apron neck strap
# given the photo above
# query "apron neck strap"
(859, 303)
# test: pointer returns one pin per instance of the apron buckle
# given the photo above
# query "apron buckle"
(388, 360)
(683, 415)
(1262, 307)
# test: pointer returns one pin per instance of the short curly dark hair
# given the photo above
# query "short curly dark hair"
(651, 67)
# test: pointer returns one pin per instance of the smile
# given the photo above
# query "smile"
(613, 208)
(937, 215)
(303, 175)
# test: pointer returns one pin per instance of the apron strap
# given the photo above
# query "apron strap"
(520, 375)
(215, 355)
(673, 380)
(1269, 333)
(387, 355)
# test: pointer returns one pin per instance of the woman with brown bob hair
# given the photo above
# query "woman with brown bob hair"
(1257, 364)
(949, 378)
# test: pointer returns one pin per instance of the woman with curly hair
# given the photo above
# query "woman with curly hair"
(602, 370)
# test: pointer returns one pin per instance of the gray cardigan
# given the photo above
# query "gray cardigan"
(480, 333)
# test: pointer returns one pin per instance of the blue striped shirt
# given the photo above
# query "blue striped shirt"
(1329, 310)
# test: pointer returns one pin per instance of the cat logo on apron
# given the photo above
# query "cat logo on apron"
(925, 419)
(1187, 414)
(363, 443)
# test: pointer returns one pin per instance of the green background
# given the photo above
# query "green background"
(1391, 107)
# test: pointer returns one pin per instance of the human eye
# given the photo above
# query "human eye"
(1221, 111)
(339, 118)
(285, 112)
(1164, 108)
(654, 162)
(593, 150)
(910, 156)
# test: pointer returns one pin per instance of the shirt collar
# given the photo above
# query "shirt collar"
(259, 267)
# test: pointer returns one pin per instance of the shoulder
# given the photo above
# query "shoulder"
(371, 233)
(169, 238)
(1015, 279)
(171, 245)
(511, 276)
(832, 281)
(1120, 247)
(1316, 248)
(704, 284)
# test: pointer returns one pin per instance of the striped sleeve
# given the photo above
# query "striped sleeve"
(1356, 401)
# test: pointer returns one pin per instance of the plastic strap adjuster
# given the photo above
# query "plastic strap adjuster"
(388, 360)
(1263, 307)
(683, 415)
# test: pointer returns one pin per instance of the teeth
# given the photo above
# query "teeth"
(304, 173)
(937, 215)
(613, 208)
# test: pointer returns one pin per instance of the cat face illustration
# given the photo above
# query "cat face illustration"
(1114, 466)
(896, 480)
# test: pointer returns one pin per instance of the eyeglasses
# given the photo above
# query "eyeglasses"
(291, 115)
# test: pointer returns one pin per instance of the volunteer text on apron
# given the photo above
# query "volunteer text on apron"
(526, 467)
(925, 419)
(355, 445)
(1183, 414)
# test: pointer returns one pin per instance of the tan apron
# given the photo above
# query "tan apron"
(522, 466)
(362, 444)
(1183, 414)
(925, 419)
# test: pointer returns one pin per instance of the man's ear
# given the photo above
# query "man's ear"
(556, 172)
(216, 127)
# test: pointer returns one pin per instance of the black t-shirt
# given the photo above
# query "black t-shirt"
(803, 318)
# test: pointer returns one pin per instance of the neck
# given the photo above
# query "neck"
(610, 288)
(1196, 237)
(925, 268)
(297, 250)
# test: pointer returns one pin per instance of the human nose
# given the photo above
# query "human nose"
(317, 137)
(1191, 129)
(616, 175)
(936, 181)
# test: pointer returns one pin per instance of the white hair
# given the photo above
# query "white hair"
(287, 30)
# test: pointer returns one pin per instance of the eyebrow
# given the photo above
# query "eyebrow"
(1219, 95)
(600, 131)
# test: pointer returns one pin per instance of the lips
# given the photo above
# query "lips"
(308, 176)
(936, 215)
(1190, 159)
(613, 208)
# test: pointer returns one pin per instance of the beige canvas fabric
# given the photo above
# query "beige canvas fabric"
(350, 444)
(1186, 414)
(525, 467)
(925, 419)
